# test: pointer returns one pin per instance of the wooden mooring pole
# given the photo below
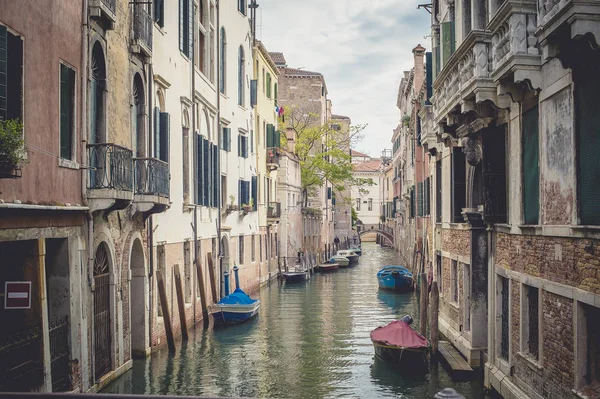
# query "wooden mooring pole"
(202, 292)
(423, 294)
(211, 275)
(162, 293)
(180, 303)
(433, 321)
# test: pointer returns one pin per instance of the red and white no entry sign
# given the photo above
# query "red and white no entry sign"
(17, 295)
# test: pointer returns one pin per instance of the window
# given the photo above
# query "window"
(420, 199)
(138, 123)
(260, 247)
(253, 248)
(494, 174)
(11, 75)
(264, 82)
(241, 75)
(97, 96)
(448, 41)
(67, 111)
(207, 172)
(358, 204)
(530, 321)
(370, 204)
(440, 278)
(161, 134)
(186, 163)
(275, 93)
(222, 58)
(159, 12)
(241, 250)
(202, 53)
(438, 192)
(243, 192)
(412, 202)
(243, 146)
(268, 85)
(588, 348)
(242, 6)
(459, 194)
(224, 198)
(186, 23)
(531, 167)
(504, 315)
(454, 281)
(226, 139)
(427, 197)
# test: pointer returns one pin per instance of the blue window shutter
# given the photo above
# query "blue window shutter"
(216, 177)
(157, 132)
(251, 141)
(253, 91)
(165, 122)
(328, 192)
(206, 162)
(429, 76)
(229, 139)
(239, 145)
(240, 193)
(190, 49)
(181, 46)
(209, 172)
(199, 168)
(255, 192)
(3, 71)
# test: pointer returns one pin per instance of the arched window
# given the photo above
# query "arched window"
(138, 114)
(241, 75)
(97, 90)
(222, 58)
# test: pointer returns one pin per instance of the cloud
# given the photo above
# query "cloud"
(361, 47)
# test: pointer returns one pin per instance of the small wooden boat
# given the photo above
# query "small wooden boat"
(356, 250)
(341, 260)
(328, 267)
(236, 307)
(398, 342)
(396, 278)
(346, 253)
(295, 276)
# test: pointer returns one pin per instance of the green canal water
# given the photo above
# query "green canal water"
(310, 340)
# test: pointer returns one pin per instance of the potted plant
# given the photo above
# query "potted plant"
(246, 208)
(12, 148)
(231, 207)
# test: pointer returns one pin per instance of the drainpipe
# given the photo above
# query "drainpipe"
(85, 161)
(219, 144)
(192, 93)
(150, 225)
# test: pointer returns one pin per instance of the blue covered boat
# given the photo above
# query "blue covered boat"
(236, 307)
(396, 278)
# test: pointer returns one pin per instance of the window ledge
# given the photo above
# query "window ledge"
(502, 227)
(160, 29)
(66, 163)
(453, 304)
(531, 363)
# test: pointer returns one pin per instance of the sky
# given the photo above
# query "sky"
(361, 47)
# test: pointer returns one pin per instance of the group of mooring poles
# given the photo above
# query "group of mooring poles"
(162, 292)
(434, 307)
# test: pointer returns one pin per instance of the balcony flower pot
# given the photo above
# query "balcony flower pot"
(246, 209)
(12, 149)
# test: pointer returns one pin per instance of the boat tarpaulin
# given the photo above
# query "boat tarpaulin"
(237, 297)
(398, 333)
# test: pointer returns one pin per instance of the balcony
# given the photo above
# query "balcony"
(273, 211)
(104, 10)
(465, 79)
(272, 158)
(110, 178)
(580, 16)
(514, 45)
(151, 185)
(142, 31)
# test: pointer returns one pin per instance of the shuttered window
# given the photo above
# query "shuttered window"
(186, 27)
(222, 58)
(11, 75)
(494, 174)
(159, 12)
(588, 144)
(438, 191)
(447, 41)
(206, 172)
(157, 132)
(244, 192)
(420, 198)
(241, 73)
(412, 202)
(253, 90)
(67, 105)
(268, 85)
(226, 139)
(165, 122)
(531, 167)
(428, 76)
(215, 175)
(243, 146)
(459, 193)
(426, 197)
(255, 192)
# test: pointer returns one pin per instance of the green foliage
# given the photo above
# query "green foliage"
(12, 145)
(354, 217)
(323, 149)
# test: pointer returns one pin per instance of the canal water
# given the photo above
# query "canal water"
(310, 340)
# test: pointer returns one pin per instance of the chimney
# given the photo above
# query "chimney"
(419, 54)
(291, 140)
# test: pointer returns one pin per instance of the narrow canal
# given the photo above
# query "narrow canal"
(310, 340)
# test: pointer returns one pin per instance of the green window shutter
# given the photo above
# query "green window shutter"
(67, 93)
(275, 94)
(420, 198)
(165, 126)
(447, 41)
(531, 167)
(216, 177)
(268, 85)
(270, 136)
(3, 71)
(199, 169)
(206, 172)
(588, 144)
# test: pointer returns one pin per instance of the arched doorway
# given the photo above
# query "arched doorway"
(97, 95)
(138, 117)
(102, 314)
(138, 298)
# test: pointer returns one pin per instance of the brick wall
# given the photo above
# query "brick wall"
(571, 261)
(456, 242)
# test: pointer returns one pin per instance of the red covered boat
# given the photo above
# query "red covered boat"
(398, 342)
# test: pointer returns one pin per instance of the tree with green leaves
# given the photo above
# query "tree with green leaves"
(323, 147)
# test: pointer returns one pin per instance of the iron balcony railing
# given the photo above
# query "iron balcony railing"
(111, 166)
(111, 5)
(142, 26)
(151, 177)
(274, 210)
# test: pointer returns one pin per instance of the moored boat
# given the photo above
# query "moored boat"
(236, 307)
(296, 276)
(351, 255)
(398, 342)
(396, 278)
(356, 250)
(341, 260)
(328, 267)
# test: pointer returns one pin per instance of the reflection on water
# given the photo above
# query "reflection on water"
(310, 340)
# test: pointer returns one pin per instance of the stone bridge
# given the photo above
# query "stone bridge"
(379, 229)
